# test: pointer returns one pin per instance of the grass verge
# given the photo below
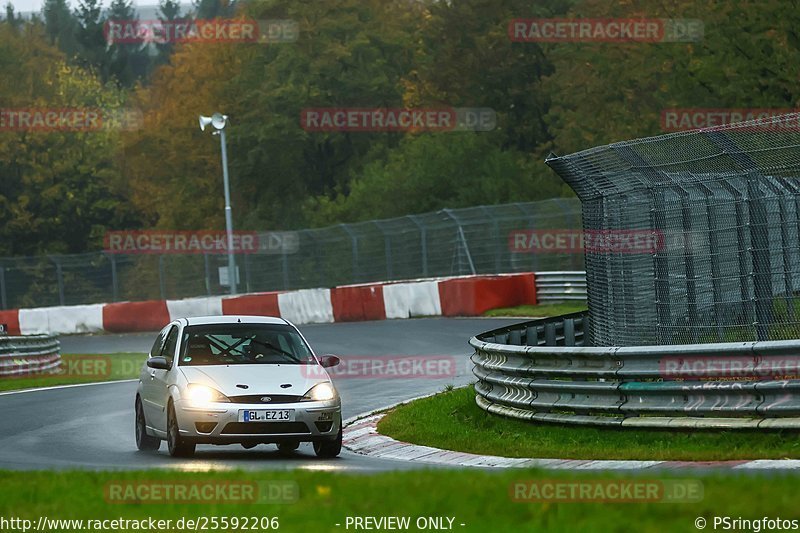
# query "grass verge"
(541, 310)
(480, 500)
(81, 368)
(452, 421)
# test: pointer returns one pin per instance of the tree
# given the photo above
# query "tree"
(91, 39)
(60, 25)
(127, 62)
(210, 9)
(59, 190)
(349, 53)
(428, 172)
(169, 11)
(12, 19)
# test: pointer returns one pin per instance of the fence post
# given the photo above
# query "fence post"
(114, 280)
(387, 247)
(247, 272)
(162, 283)
(285, 267)
(462, 238)
(3, 301)
(354, 246)
(423, 241)
(60, 279)
(207, 269)
(498, 246)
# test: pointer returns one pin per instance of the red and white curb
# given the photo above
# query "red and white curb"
(361, 436)
(450, 297)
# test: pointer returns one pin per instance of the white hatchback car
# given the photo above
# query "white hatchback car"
(236, 380)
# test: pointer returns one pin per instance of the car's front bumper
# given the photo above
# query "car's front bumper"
(218, 423)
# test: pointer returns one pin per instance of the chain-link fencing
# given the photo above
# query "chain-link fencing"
(476, 240)
(723, 204)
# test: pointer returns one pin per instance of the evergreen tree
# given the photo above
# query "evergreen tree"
(126, 62)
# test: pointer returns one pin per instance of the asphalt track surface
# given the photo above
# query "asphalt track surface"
(91, 427)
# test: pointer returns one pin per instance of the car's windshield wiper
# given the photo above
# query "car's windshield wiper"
(290, 355)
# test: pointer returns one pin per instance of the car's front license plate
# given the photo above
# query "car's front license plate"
(267, 415)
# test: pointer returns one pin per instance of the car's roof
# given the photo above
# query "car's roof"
(232, 319)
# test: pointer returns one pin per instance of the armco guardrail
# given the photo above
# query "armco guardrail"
(29, 354)
(542, 371)
(568, 285)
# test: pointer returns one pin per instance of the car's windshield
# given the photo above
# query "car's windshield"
(243, 344)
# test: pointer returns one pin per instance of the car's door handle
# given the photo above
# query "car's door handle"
(153, 374)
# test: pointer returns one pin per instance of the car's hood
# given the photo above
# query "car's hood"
(260, 379)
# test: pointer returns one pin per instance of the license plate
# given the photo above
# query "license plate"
(263, 415)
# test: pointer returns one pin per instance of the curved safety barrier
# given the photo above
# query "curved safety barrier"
(542, 371)
(29, 355)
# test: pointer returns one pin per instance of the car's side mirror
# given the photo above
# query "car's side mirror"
(328, 361)
(159, 363)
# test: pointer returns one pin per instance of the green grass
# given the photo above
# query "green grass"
(451, 420)
(81, 368)
(541, 310)
(477, 498)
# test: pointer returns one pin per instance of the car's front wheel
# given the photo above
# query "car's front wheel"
(329, 448)
(178, 446)
(144, 441)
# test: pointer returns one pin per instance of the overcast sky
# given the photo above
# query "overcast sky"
(27, 6)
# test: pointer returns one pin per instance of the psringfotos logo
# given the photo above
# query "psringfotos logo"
(202, 492)
(364, 119)
(117, 31)
(757, 119)
(609, 30)
(607, 491)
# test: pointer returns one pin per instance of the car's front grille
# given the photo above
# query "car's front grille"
(262, 398)
(264, 428)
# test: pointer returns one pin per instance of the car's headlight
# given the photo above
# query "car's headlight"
(197, 393)
(320, 392)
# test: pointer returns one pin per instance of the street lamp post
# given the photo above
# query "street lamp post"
(219, 121)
